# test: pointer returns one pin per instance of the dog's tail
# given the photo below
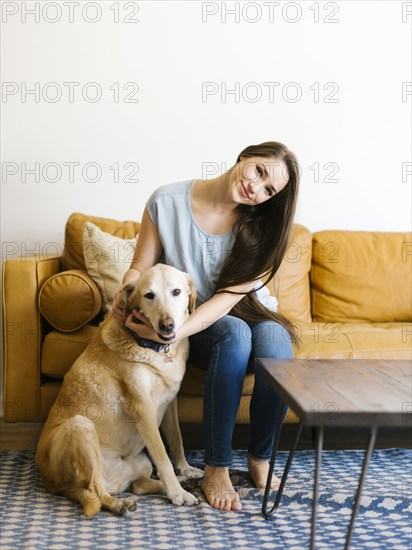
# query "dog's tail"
(87, 496)
(90, 500)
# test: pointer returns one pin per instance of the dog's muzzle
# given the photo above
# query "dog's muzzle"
(166, 329)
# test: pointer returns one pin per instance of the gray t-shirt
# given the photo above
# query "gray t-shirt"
(189, 248)
(185, 245)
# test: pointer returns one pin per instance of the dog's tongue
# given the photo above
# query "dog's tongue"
(167, 336)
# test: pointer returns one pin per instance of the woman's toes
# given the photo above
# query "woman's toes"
(218, 490)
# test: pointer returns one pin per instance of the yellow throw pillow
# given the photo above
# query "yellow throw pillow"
(73, 257)
(107, 259)
(69, 300)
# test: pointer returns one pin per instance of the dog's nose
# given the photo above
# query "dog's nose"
(166, 325)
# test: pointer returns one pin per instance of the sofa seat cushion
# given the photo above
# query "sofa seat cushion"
(60, 349)
(189, 406)
(322, 341)
(361, 276)
(355, 341)
(69, 300)
(48, 395)
(318, 341)
(194, 381)
(190, 410)
(379, 340)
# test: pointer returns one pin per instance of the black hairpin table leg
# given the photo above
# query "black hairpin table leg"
(319, 446)
(279, 492)
(368, 454)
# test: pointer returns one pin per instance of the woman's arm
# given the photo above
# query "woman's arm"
(148, 249)
(147, 253)
(211, 311)
(219, 305)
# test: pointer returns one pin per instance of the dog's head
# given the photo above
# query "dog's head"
(165, 295)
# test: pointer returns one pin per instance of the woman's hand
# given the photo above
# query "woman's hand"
(143, 328)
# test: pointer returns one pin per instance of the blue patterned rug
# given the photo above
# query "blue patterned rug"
(32, 518)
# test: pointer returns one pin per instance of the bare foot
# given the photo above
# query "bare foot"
(218, 489)
(258, 471)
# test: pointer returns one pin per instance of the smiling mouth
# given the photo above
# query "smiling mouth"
(245, 193)
(166, 336)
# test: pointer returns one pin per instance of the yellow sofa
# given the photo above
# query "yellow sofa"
(348, 292)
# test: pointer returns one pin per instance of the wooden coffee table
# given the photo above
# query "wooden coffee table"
(337, 392)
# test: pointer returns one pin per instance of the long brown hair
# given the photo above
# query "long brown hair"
(262, 234)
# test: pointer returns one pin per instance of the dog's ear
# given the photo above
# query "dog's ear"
(192, 292)
(127, 291)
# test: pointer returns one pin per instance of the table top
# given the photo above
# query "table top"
(344, 392)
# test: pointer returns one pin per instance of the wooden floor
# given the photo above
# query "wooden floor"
(24, 436)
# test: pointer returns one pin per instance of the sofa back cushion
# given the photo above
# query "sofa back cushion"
(73, 257)
(361, 276)
(291, 283)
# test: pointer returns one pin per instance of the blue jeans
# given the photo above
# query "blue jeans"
(227, 349)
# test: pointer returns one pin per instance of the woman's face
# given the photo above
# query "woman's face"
(257, 179)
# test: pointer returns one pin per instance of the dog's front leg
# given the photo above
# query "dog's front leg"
(143, 413)
(171, 429)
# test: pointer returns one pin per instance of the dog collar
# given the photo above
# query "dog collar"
(151, 344)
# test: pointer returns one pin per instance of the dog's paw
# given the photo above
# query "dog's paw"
(125, 507)
(190, 471)
(184, 498)
(193, 472)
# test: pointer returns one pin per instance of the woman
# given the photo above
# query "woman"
(228, 233)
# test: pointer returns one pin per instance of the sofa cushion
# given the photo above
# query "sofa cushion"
(69, 300)
(73, 257)
(291, 282)
(190, 409)
(379, 340)
(319, 341)
(107, 259)
(60, 350)
(361, 276)
(194, 381)
(322, 340)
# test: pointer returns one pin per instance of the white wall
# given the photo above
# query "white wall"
(175, 131)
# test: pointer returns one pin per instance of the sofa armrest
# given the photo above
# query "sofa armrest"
(23, 334)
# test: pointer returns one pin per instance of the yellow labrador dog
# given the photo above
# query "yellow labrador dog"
(113, 400)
